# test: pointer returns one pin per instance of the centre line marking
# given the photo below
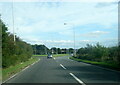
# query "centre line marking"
(77, 79)
(62, 66)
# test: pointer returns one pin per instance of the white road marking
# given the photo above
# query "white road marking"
(77, 79)
(70, 59)
(62, 66)
(19, 72)
(54, 58)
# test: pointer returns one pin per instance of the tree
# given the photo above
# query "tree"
(13, 52)
(40, 49)
(59, 50)
(100, 53)
(71, 50)
(54, 50)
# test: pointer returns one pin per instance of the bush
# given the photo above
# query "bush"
(99, 53)
(13, 52)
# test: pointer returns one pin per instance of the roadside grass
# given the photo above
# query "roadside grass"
(60, 55)
(54, 55)
(112, 65)
(0, 75)
(38, 55)
(7, 72)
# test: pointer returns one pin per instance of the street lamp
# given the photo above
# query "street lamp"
(13, 21)
(73, 39)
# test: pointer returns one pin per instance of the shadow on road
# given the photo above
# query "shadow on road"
(92, 73)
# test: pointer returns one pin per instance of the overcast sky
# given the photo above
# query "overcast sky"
(43, 22)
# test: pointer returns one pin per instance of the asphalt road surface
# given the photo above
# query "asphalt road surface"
(64, 70)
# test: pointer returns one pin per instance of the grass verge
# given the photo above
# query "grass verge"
(60, 55)
(0, 76)
(39, 55)
(54, 55)
(7, 72)
(113, 65)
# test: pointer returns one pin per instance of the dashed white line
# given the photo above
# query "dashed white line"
(79, 81)
(62, 66)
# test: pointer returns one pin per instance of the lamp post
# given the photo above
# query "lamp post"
(73, 39)
(13, 21)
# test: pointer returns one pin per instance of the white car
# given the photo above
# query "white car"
(49, 56)
(71, 54)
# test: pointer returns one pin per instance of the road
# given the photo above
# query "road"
(64, 70)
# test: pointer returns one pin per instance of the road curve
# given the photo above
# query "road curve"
(64, 70)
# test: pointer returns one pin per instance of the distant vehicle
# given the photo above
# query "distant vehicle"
(71, 54)
(49, 56)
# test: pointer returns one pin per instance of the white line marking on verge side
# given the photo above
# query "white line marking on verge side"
(70, 59)
(19, 72)
(77, 79)
(62, 66)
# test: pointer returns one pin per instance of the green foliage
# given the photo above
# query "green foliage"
(59, 51)
(55, 50)
(110, 65)
(99, 53)
(7, 72)
(43, 50)
(60, 55)
(13, 52)
(71, 50)
(40, 49)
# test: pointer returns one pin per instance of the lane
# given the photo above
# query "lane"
(64, 70)
(44, 71)
(89, 73)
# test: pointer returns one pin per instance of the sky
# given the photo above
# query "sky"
(54, 23)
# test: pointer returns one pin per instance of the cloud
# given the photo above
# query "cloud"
(58, 0)
(103, 4)
(94, 34)
(36, 21)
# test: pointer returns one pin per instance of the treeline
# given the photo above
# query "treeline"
(13, 52)
(100, 53)
(55, 50)
(40, 49)
(43, 50)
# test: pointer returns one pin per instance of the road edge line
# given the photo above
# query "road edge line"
(19, 72)
(97, 66)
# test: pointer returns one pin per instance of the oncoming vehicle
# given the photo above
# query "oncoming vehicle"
(72, 55)
(49, 56)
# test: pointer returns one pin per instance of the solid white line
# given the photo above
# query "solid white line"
(70, 59)
(19, 72)
(77, 79)
(62, 66)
